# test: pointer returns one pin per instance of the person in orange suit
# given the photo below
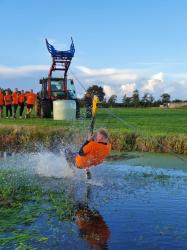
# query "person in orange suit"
(1, 103)
(8, 103)
(21, 103)
(15, 97)
(30, 101)
(92, 153)
(92, 227)
(94, 150)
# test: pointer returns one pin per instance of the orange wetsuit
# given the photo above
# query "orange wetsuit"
(93, 153)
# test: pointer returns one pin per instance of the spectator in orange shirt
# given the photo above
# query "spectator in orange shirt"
(8, 103)
(21, 103)
(1, 103)
(30, 101)
(15, 96)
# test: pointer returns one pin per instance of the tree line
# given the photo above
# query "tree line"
(147, 100)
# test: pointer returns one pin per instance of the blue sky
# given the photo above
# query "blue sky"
(121, 45)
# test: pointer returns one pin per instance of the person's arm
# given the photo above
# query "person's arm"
(82, 149)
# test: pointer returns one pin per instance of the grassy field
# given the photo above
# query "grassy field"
(166, 126)
(149, 120)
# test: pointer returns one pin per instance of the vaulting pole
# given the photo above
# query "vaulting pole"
(95, 101)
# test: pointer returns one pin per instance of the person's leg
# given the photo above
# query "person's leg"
(10, 108)
(88, 112)
(77, 109)
(27, 112)
(21, 109)
(6, 111)
(15, 110)
(69, 154)
(30, 111)
(1, 111)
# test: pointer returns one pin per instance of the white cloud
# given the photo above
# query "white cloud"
(95, 72)
(128, 88)
(109, 74)
(123, 81)
(154, 83)
(113, 81)
(178, 89)
(108, 90)
(22, 70)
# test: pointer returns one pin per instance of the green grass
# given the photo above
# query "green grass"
(143, 129)
(148, 120)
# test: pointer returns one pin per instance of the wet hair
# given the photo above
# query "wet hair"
(103, 132)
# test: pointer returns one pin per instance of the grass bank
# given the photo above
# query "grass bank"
(150, 129)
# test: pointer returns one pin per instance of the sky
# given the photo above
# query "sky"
(121, 45)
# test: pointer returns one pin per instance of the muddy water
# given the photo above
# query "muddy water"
(137, 201)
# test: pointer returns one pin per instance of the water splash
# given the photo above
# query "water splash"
(49, 164)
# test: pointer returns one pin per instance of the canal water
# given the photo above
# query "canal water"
(133, 201)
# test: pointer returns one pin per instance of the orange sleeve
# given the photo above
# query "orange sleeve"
(88, 147)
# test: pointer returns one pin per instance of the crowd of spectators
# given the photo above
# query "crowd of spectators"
(14, 100)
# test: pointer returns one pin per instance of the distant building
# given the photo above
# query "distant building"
(177, 105)
(164, 105)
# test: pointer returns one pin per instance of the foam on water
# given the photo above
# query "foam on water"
(49, 164)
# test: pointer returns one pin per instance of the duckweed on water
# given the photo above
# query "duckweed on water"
(22, 202)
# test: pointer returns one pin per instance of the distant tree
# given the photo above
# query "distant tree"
(147, 100)
(124, 99)
(177, 100)
(112, 100)
(157, 103)
(127, 101)
(105, 103)
(165, 98)
(135, 100)
(97, 90)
